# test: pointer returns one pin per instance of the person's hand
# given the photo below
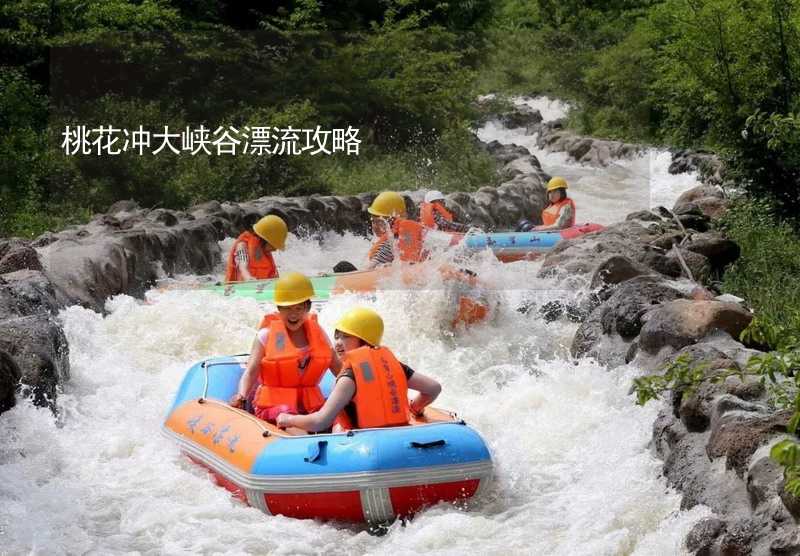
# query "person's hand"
(284, 420)
(237, 401)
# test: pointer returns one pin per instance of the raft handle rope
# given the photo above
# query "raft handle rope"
(265, 432)
(206, 365)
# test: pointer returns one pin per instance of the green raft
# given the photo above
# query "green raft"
(264, 290)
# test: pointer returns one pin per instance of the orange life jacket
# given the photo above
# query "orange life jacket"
(290, 376)
(410, 237)
(381, 398)
(260, 263)
(426, 212)
(550, 214)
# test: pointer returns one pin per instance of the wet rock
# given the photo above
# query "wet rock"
(644, 215)
(763, 478)
(702, 536)
(38, 345)
(617, 269)
(521, 116)
(736, 540)
(719, 250)
(9, 379)
(737, 435)
(679, 323)
(18, 255)
(787, 542)
(583, 255)
(709, 200)
(698, 265)
(166, 217)
(620, 315)
(123, 206)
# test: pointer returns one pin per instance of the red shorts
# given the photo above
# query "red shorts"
(270, 413)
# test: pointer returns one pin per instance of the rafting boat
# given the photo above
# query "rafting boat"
(364, 475)
(515, 246)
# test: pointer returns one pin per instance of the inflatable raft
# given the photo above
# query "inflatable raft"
(364, 475)
(515, 246)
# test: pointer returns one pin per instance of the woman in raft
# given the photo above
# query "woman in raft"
(372, 388)
(290, 355)
(558, 214)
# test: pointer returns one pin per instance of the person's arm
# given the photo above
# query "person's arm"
(321, 420)
(250, 373)
(242, 261)
(383, 255)
(428, 388)
(446, 225)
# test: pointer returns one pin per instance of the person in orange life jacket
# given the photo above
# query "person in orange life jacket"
(560, 213)
(390, 226)
(434, 215)
(289, 355)
(372, 388)
(250, 257)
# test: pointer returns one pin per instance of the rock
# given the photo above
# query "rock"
(719, 250)
(709, 200)
(39, 346)
(737, 435)
(737, 538)
(763, 478)
(620, 315)
(681, 322)
(123, 206)
(9, 379)
(617, 269)
(787, 541)
(698, 265)
(166, 217)
(521, 116)
(703, 534)
(18, 255)
(643, 215)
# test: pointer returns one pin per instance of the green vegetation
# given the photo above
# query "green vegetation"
(401, 71)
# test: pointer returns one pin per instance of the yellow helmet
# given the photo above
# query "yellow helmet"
(556, 182)
(362, 323)
(273, 229)
(293, 288)
(388, 204)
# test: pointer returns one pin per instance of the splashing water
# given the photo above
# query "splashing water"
(573, 472)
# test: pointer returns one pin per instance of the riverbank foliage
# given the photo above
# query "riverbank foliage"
(400, 71)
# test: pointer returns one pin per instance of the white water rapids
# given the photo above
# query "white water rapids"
(573, 471)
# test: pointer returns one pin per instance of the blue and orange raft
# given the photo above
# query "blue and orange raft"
(364, 475)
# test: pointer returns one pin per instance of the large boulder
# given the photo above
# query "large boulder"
(614, 324)
(707, 199)
(682, 322)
